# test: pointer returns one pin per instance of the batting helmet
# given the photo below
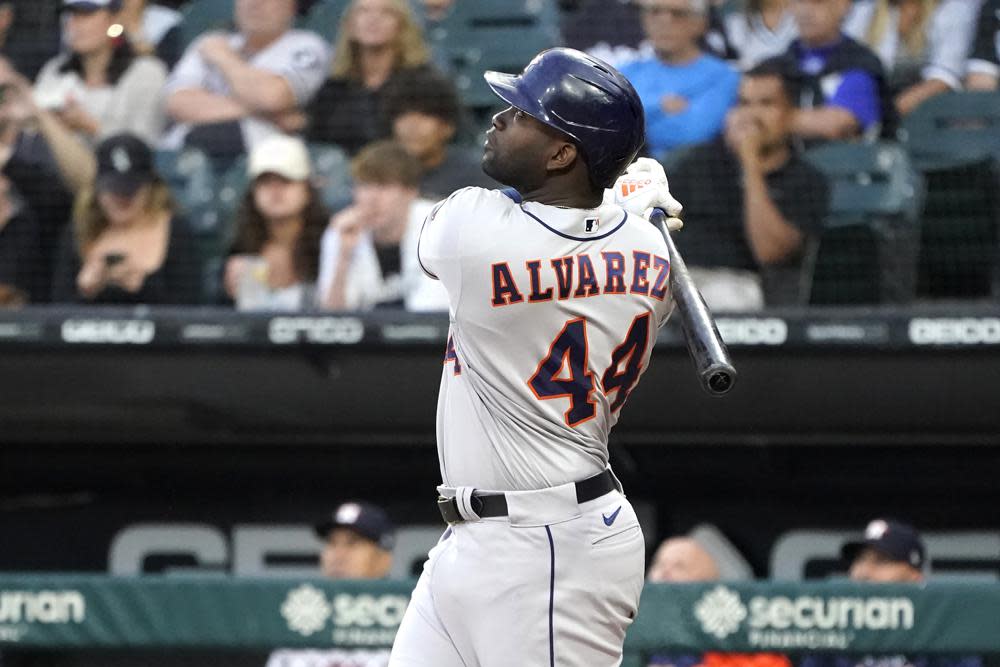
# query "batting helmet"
(586, 99)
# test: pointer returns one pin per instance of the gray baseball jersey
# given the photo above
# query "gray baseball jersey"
(554, 312)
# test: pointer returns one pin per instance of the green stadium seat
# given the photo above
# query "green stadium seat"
(954, 139)
(953, 129)
(201, 16)
(324, 18)
(332, 174)
(501, 35)
(868, 250)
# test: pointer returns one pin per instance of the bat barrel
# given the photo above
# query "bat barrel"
(704, 343)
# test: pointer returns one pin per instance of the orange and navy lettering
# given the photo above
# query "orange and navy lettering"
(505, 290)
(640, 281)
(587, 285)
(451, 356)
(644, 274)
(534, 268)
(661, 285)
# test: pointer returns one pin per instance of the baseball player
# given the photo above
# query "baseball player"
(556, 291)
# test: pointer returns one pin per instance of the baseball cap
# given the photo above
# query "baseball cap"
(365, 519)
(282, 155)
(91, 5)
(894, 539)
(124, 164)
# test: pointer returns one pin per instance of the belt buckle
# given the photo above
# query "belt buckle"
(449, 512)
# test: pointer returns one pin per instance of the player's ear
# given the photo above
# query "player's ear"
(563, 156)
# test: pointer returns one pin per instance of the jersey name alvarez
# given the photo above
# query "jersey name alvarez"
(580, 276)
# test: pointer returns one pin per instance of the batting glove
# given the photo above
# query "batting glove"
(644, 187)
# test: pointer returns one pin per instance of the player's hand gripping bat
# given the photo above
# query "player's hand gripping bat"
(708, 352)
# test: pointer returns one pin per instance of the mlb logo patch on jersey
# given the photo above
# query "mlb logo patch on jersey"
(591, 225)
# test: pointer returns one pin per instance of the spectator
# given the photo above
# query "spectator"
(29, 34)
(379, 40)
(752, 202)
(609, 30)
(716, 39)
(984, 63)
(19, 242)
(230, 91)
(685, 92)
(369, 252)
(101, 87)
(423, 112)
(275, 258)
(923, 44)
(890, 552)
(843, 89)
(682, 559)
(357, 544)
(127, 243)
(763, 29)
(153, 29)
(358, 541)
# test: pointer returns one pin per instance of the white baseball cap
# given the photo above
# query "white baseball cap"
(282, 155)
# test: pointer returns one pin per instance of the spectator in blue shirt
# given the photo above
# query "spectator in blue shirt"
(844, 92)
(685, 92)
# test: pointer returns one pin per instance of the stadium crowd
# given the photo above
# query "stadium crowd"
(281, 154)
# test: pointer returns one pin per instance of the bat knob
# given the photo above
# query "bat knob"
(720, 381)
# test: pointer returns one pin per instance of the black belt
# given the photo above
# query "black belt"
(495, 505)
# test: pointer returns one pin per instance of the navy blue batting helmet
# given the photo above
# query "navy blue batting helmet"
(586, 99)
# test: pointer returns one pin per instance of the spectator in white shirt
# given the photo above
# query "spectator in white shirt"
(368, 256)
(232, 90)
(100, 86)
(923, 44)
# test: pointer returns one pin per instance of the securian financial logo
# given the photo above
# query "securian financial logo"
(804, 621)
(306, 610)
(364, 619)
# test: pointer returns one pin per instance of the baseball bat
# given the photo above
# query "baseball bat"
(708, 353)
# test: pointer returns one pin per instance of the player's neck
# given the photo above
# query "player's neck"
(551, 197)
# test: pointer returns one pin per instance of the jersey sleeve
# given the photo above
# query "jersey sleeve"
(985, 57)
(858, 93)
(952, 29)
(442, 247)
(303, 62)
(190, 71)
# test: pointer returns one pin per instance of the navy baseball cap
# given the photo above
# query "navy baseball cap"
(365, 519)
(893, 539)
(124, 164)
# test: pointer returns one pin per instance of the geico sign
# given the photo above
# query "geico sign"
(118, 332)
(753, 330)
(340, 330)
(955, 331)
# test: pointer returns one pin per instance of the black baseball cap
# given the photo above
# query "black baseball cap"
(124, 164)
(893, 539)
(368, 520)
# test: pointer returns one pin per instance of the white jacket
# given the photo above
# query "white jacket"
(366, 286)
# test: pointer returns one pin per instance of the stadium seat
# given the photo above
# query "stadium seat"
(868, 250)
(332, 174)
(954, 139)
(324, 18)
(501, 35)
(201, 16)
(952, 129)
